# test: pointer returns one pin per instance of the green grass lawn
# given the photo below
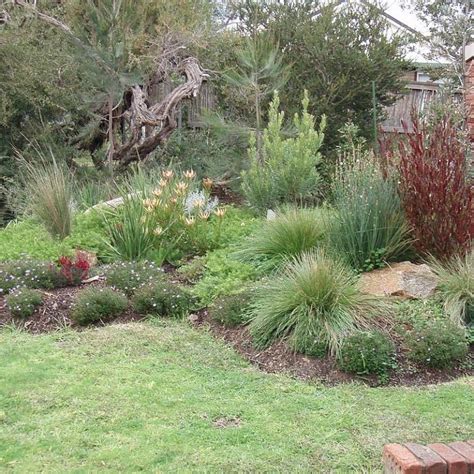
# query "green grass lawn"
(145, 397)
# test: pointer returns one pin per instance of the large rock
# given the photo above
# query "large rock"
(400, 279)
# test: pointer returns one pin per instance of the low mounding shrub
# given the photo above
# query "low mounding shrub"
(284, 169)
(22, 302)
(291, 233)
(29, 273)
(456, 287)
(129, 276)
(232, 310)
(438, 343)
(98, 304)
(367, 353)
(162, 298)
(369, 227)
(435, 188)
(315, 299)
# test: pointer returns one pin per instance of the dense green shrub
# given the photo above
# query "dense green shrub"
(222, 275)
(97, 304)
(369, 227)
(367, 353)
(456, 287)
(29, 273)
(283, 170)
(291, 233)
(163, 298)
(315, 298)
(439, 343)
(129, 276)
(22, 302)
(309, 344)
(232, 310)
(50, 196)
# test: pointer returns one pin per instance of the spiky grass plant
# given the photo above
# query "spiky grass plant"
(291, 233)
(456, 286)
(370, 227)
(50, 196)
(315, 299)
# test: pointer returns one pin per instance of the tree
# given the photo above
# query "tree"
(451, 27)
(121, 53)
(335, 52)
(258, 74)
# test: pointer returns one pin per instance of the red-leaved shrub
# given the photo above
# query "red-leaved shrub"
(76, 269)
(435, 188)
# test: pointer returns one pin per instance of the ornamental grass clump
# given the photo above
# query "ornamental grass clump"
(291, 233)
(315, 299)
(456, 287)
(50, 196)
(23, 302)
(369, 227)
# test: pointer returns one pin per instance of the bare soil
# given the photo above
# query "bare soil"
(54, 314)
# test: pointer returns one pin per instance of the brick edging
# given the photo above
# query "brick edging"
(436, 458)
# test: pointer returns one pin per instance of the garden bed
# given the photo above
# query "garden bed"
(54, 314)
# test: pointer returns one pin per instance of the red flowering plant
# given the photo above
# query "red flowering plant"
(74, 270)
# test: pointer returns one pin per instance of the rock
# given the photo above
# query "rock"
(271, 215)
(193, 318)
(404, 279)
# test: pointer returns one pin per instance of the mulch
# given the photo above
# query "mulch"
(54, 313)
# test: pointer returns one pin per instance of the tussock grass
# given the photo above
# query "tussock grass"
(315, 299)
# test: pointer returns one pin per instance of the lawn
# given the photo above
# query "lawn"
(162, 396)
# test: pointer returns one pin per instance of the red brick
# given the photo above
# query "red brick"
(399, 459)
(433, 462)
(456, 463)
(466, 450)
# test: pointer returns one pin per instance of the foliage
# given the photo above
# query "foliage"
(435, 188)
(367, 353)
(258, 74)
(289, 234)
(439, 343)
(284, 170)
(170, 221)
(315, 298)
(28, 238)
(163, 298)
(456, 286)
(129, 276)
(450, 26)
(97, 304)
(22, 302)
(222, 275)
(369, 227)
(310, 345)
(74, 270)
(335, 52)
(50, 196)
(29, 273)
(232, 310)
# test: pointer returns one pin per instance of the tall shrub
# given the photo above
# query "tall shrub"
(50, 196)
(284, 169)
(435, 188)
(369, 227)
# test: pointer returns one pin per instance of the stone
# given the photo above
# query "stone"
(405, 279)
(193, 318)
